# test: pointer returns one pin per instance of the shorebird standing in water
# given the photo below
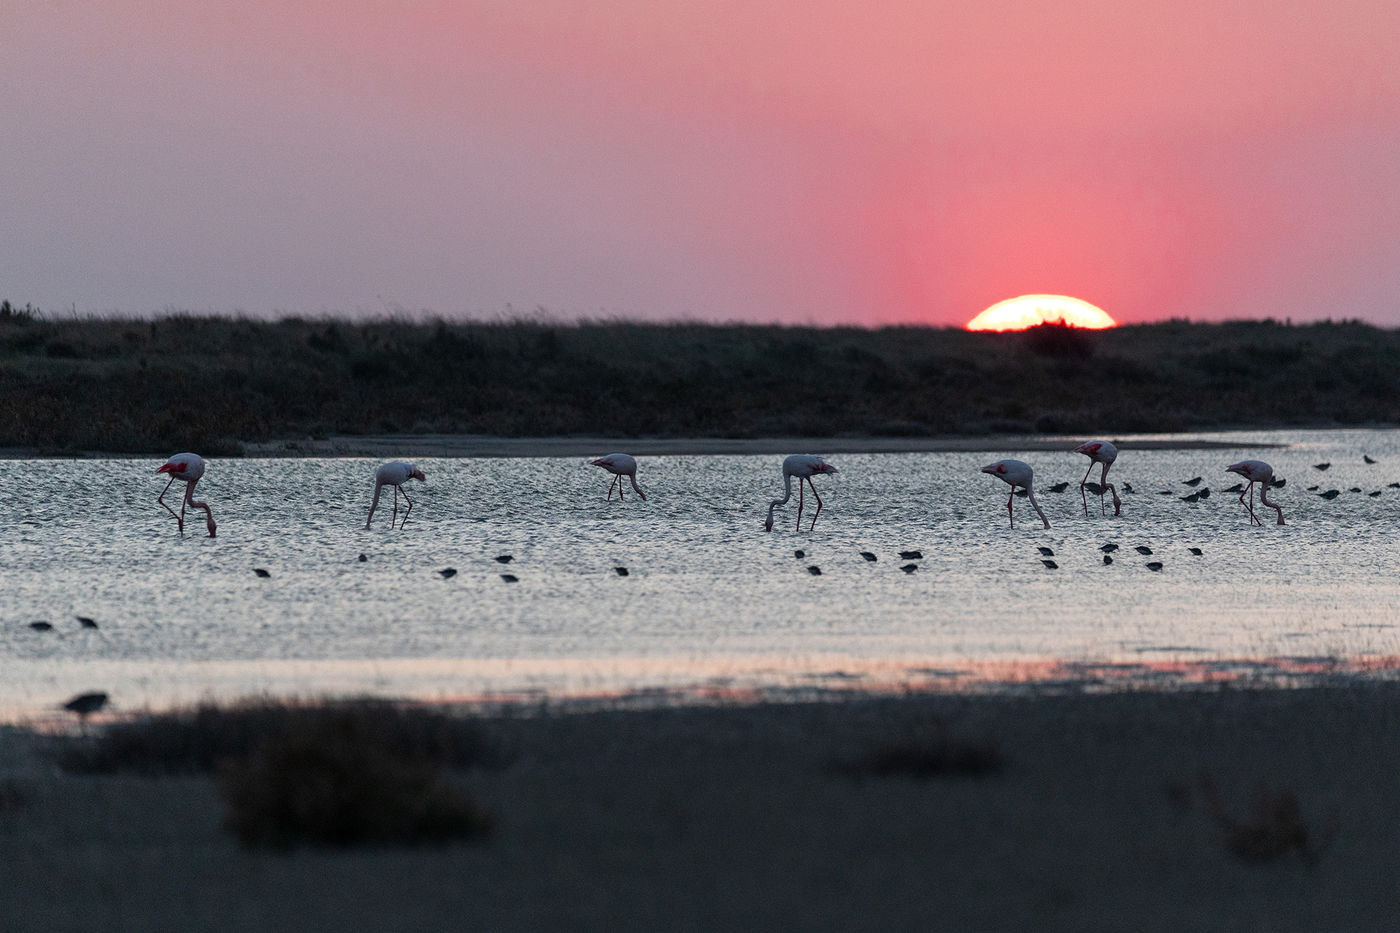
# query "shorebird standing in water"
(620, 465)
(804, 467)
(187, 468)
(1016, 473)
(394, 473)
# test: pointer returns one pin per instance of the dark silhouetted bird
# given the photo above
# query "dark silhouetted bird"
(1238, 487)
(1205, 492)
(1059, 487)
(41, 626)
(448, 572)
(1194, 481)
(1374, 494)
(1367, 459)
(85, 622)
(503, 558)
(799, 554)
(1051, 564)
(261, 572)
(509, 577)
(621, 571)
(1330, 494)
(1127, 487)
(1321, 466)
(814, 571)
(1314, 488)
(1045, 551)
(1107, 560)
(909, 568)
(1355, 489)
(1108, 548)
(85, 704)
(868, 556)
(1193, 497)
(1195, 550)
(363, 558)
(911, 555)
(1143, 549)
(1154, 565)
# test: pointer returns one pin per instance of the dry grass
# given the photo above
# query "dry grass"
(1272, 828)
(200, 740)
(342, 780)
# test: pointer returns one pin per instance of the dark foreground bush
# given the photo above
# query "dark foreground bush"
(925, 753)
(336, 781)
(198, 741)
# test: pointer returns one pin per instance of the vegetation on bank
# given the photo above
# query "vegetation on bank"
(185, 382)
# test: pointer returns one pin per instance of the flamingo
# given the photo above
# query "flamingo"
(187, 468)
(1256, 471)
(804, 467)
(1105, 453)
(1016, 473)
(394, 473)
(620, 465)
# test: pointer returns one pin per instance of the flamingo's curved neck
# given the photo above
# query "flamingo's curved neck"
(1264, 498)
(1030, 494)
(787, 494)
(633, 478)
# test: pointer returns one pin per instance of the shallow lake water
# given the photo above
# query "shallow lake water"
(711, 605)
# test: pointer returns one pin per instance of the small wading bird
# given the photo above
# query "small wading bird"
(804, 467)
(395, 473)
(1256, 471)
(1105, 453)
(187, 468)
(1015, 473)
(620, 465)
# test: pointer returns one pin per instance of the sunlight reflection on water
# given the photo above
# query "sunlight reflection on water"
(708, 594)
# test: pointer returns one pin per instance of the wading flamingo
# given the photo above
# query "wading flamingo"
(1016, 473)
(620, 465)
(187, 468)
(804, 467)
(1256, 471)
(394, 473)
(1105, 453)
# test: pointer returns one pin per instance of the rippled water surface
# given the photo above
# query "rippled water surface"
(710, 601)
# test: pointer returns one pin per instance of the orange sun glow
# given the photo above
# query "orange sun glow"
(1030, 310)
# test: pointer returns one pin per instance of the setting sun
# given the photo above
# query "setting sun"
(1030, 310)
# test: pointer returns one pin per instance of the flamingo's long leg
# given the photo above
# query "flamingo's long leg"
(610, 487)
(1103, 480)
(1253, 520)
(161, 499)
(406, 511)
(819, 503)
(394, 516)
(1009, 514)
(799, 505)
(619, 487)
(1082, 495)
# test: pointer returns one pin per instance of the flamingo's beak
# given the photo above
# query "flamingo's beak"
(990, 468)
(598, 462)
(768, 525)
(170, 468)
(419, 475)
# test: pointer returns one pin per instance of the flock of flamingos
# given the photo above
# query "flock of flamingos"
(188, 468)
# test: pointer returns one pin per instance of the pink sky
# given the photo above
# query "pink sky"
(810, 161)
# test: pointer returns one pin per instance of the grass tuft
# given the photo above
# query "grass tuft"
(927, 752)
(1273, 828)
(198, 741)
(339, 780)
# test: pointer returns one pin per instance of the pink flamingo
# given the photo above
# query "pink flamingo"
(1016, 473)
(1105, 453)
(1256, 471)
(394, 473)
(620, 465)
(187, 468)
(804, 467)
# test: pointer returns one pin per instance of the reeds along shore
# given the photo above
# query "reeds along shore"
(180, 382)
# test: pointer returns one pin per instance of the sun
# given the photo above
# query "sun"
(1030, 310)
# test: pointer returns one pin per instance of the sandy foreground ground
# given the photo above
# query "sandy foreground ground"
(733, 818)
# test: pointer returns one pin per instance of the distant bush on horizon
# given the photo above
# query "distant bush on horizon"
(208, 383)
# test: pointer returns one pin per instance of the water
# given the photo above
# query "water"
(711, 603)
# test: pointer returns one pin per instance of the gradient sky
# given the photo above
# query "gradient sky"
(803, 161)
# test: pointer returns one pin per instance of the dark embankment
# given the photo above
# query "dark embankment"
(207, 383)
